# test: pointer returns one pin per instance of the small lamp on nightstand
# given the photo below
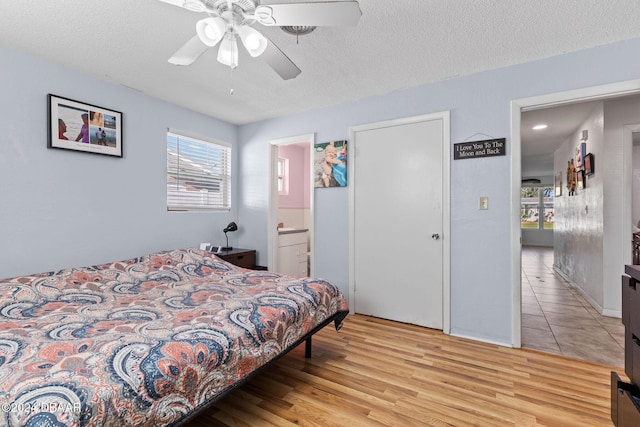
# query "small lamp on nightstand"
(231, 227)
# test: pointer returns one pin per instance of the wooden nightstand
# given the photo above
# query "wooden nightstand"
(245, 258)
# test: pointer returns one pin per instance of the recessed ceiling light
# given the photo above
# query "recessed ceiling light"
(539, 127)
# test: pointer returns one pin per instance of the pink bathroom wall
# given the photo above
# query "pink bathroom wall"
(299, 169)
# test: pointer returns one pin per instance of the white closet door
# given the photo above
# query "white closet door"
(398, 222)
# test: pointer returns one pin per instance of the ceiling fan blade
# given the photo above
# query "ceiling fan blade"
(317, 14)
(280, 62)
(190, 5)
(179, 3)
(189, 52)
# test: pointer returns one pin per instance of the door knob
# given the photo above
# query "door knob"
(435, 236)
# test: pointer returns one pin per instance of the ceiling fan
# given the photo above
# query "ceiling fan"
(229, 20)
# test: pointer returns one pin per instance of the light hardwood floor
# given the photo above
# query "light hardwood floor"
(376, 372)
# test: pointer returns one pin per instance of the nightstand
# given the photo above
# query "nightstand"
(245, 258)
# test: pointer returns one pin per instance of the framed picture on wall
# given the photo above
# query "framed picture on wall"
(77, 126)
(558, 185)
(330, 164)
(581, 178)
(580, 152)
(588, 164)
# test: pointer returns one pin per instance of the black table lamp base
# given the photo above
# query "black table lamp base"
(226, 248)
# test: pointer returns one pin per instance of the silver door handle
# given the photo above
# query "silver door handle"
(435, 236)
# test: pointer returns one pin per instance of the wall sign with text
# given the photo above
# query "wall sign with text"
(476, 149)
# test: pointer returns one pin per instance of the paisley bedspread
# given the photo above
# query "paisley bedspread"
(146, 341)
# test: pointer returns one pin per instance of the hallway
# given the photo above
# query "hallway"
(557, 319)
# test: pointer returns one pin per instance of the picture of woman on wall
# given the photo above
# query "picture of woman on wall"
(62, 128)
(77, 126)
(84, 130)
(74, 122)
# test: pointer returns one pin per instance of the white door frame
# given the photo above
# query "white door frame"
(272, 235)
(627, 187)
(446, 204)
(534, 103)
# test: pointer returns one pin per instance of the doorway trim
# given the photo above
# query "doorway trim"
(272, 235)
(519, 106)
(627, 185)
(445, 116)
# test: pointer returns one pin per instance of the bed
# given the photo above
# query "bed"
(149, 341)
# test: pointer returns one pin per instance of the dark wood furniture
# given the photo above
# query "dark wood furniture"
(625, 397)
(241, 257)
(245, 258)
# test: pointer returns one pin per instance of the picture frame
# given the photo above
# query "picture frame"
(589, 166)
(558, 185)
(330, 164)
(78, 126)
(581, 179)
(580, 153)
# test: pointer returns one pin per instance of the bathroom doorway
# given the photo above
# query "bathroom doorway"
(291, 205)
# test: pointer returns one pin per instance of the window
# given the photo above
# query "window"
(536, 208)
(283, 176)
(198, 174)
(547, 195)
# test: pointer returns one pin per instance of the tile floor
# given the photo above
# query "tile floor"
(556, 318)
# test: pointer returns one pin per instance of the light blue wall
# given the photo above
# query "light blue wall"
(481, 270)
(61, 208)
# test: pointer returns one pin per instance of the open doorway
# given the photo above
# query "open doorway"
(635, 190)
(588, 206)
(291, 205)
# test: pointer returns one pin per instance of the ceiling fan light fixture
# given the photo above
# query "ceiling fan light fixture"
(253, 40)
(229, 20)
(228, 52)
(211, 30)
(264, 15)
(297, 30)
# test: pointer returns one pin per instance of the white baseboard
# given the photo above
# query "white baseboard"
(469, 336)
(604, 312)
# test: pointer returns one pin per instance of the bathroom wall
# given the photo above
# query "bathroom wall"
(294, 207)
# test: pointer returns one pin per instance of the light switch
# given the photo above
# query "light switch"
(484, 203)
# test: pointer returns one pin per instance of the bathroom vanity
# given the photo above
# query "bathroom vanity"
(292, 251)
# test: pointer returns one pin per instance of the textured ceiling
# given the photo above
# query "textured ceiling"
(397, 44)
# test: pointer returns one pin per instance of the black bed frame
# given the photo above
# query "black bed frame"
(337, 318)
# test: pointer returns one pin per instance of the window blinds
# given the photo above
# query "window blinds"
(198, 174)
